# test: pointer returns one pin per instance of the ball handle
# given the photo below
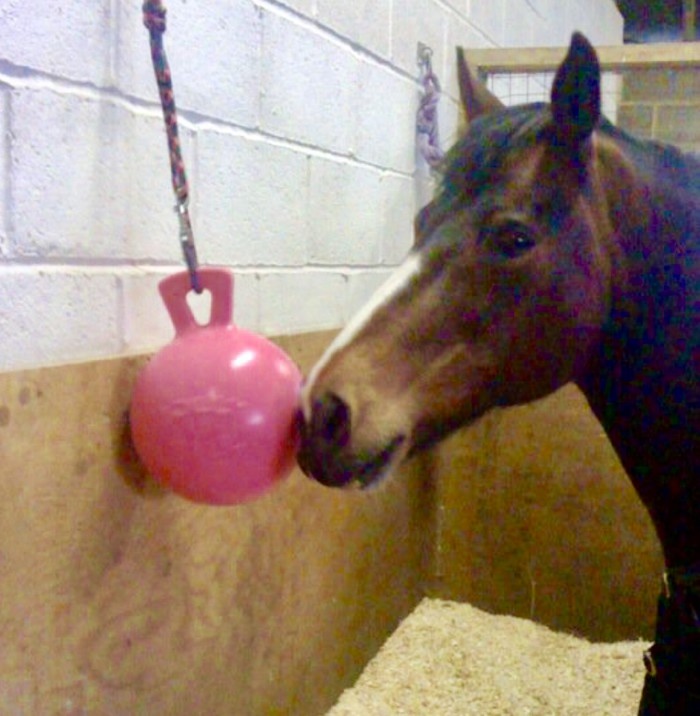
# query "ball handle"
(174, 290)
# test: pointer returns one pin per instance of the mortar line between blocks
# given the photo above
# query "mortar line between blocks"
(145, 269)
(188, 119)
(294, 145)
(313, 24)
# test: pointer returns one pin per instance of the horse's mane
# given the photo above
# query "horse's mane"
(478, 154)
(664, 162)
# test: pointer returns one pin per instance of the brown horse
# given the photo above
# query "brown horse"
(558, 249)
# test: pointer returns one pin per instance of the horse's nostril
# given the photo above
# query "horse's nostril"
(331, 420)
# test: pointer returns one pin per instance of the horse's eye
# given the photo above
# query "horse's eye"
(512, 241)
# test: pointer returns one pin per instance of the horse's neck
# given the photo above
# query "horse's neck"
(643, 384)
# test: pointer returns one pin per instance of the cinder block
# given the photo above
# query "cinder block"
(70, 40)
(346, 214)
(424, 188)
(309, 86)
(546, 8)
(252, 199)
(147, 325)
(554, 21)
(554, 30)
(519, 20)
(92, 183)
(637, 119)
(489, 17)
(399, 212)
(5, 209)
(386, 119)
(214, 53)
(302, 301)
(366, 22)
(677, 124)
(599, 20)
(415, 21)
(579, 18)
(246, 300)
(610, 27)
(49, 317)
(361, 287)
(659, 85)
(448, 122)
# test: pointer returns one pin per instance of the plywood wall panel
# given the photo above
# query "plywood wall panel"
(117, 597)
(537, 518)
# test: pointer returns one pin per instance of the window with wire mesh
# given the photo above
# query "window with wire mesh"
(652, 103)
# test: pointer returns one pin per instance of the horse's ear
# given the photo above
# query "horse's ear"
(476, 99)
(576, 92)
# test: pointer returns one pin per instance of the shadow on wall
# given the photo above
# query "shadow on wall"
(538, 519)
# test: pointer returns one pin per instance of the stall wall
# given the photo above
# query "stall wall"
(297, 123)
(117, 597)
(537, 518)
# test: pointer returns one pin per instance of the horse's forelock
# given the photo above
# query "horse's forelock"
(490, 141)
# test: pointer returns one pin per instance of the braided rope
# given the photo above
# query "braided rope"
(154, 14)
(427, 135)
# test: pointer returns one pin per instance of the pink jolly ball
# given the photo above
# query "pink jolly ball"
(213, 413)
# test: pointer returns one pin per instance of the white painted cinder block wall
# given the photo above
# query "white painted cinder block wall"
(297, 120)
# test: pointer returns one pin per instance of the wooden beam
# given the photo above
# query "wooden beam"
(612, 58)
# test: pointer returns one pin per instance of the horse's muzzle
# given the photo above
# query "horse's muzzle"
(326, 452)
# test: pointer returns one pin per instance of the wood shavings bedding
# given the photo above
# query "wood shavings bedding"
(450, 659)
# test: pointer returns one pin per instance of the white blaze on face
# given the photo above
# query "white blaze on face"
(393, 286)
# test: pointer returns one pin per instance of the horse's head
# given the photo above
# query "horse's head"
(498, 303)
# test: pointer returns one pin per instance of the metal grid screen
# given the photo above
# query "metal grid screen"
(652, 91)
(520, 87)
